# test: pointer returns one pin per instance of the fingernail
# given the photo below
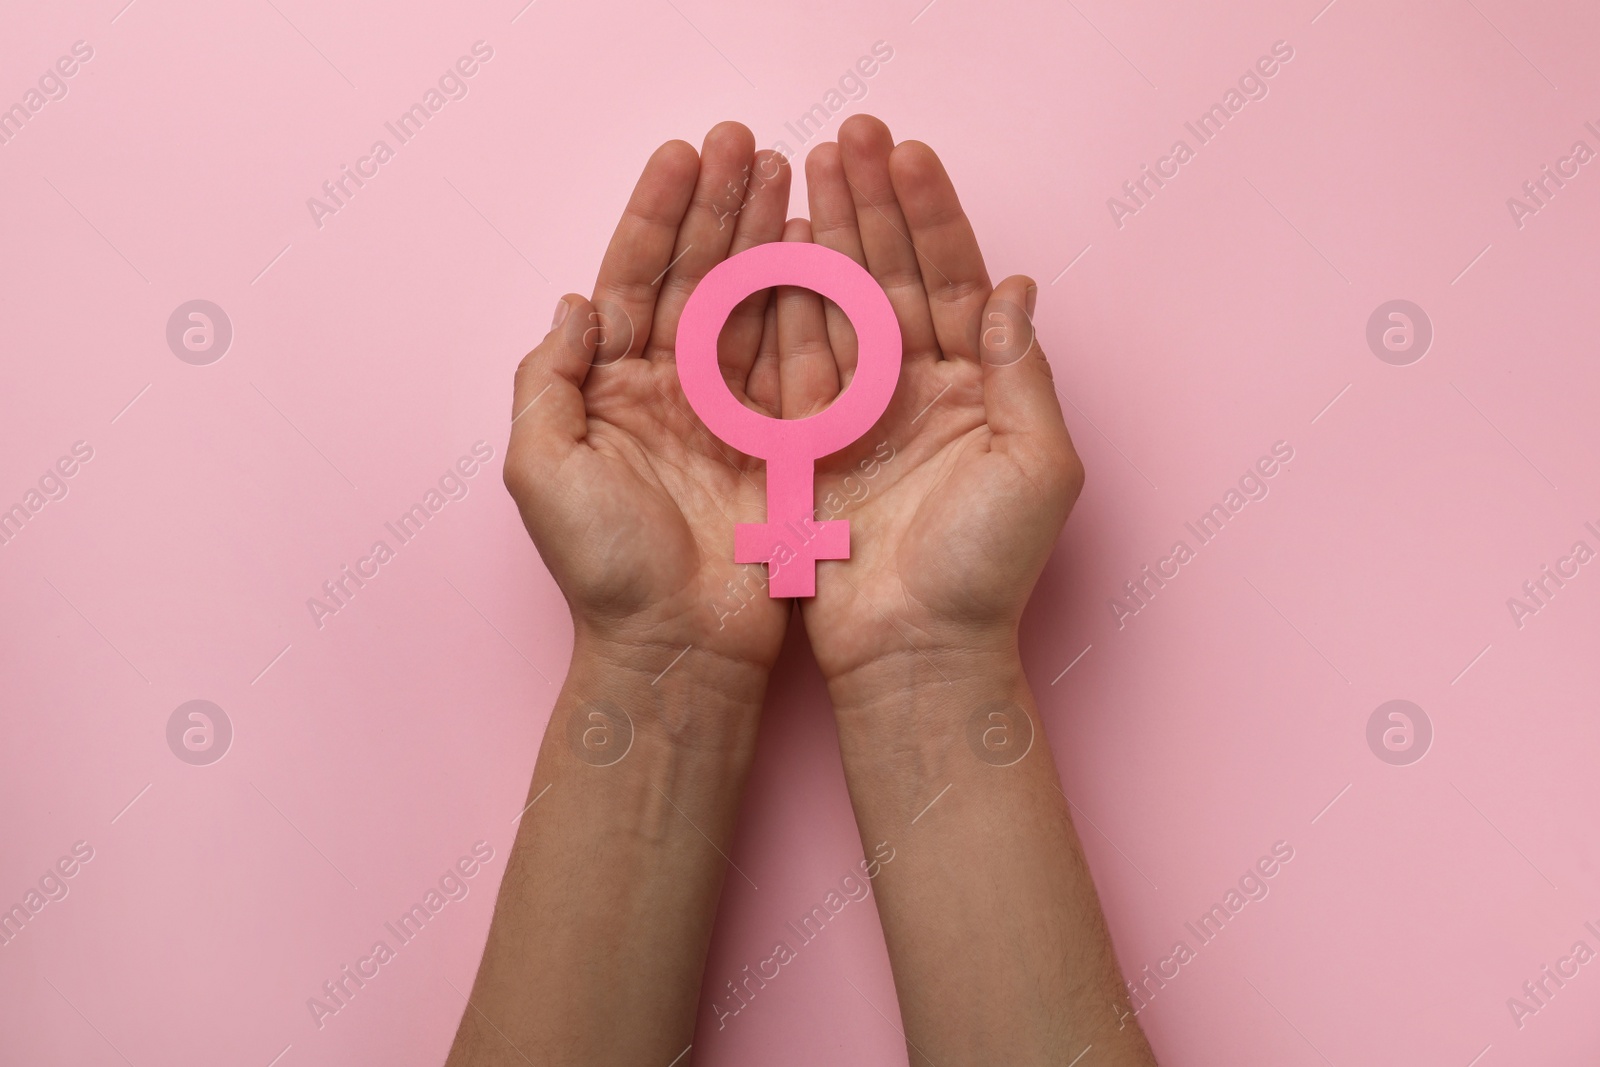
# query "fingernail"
(1031, 298)
(561, 313)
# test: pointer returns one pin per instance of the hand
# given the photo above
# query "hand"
(632, 504)
(957, 496)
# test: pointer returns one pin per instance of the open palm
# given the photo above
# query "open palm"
(956, 497)
(632, 504)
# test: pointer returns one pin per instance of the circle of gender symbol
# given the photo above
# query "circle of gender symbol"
(791, 541)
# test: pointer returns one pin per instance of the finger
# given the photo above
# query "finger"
(833, 225)
(737, 356)
(640, 249)
(766, 204)
(707, 229)
(808, 376)
(865, 144)
(1020, 400)
(761, 388)
(548, 417)
(953, 273)
(833, 210)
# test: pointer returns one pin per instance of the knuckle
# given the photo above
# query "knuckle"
(964, 291)
(808, 347)
(511, 475)
(901, 278)
(1072, 471)
(724, 201)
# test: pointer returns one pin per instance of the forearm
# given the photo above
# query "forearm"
(999, 949)
(601, 927)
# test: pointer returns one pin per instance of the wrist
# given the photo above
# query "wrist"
(928, 663)
(926, 697)
(683, 698)
(745, 642)
(961, 719)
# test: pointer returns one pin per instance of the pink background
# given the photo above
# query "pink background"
(370, 353)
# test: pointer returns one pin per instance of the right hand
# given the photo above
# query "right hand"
(956, 497)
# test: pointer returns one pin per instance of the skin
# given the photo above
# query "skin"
(994, 931)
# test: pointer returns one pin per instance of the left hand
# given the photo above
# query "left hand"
(629, 500)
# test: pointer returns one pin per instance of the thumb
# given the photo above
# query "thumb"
(1019, 394)
(1020, 399)
(547, 409)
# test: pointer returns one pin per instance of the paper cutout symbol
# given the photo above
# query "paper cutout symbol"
(792, 540)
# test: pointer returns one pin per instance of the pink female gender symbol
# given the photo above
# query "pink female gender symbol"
(792, 540)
